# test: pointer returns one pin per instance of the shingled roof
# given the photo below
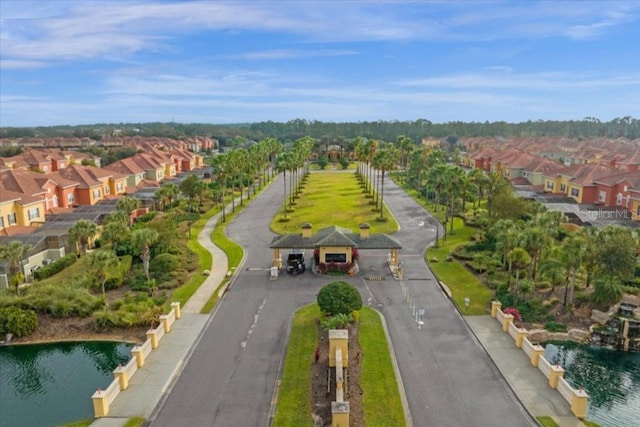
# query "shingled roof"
(334, 236)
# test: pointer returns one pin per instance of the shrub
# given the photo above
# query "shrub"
(16, 321)
(608, 290)
(514, 312)
(55, 267)
(338, 321)
(339, 298)
(553, 326)
(163, 264)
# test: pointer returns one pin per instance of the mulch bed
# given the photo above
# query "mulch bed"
(320, 401)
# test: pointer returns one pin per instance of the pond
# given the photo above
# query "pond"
(52, 384)
(611, 378)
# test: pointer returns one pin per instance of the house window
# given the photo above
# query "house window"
(119, 187)
(55, 201)
(563, 188)
(71, 198)
(45, 169)
(550, 185)
(602, 196)
(1, 222)
(12, 219)
(623, 168)
(106, 190)
(335, 257)
(96, 194)
(34, 213)
(619, 199)
(575, 192)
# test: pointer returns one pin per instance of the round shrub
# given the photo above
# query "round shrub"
(163, 264)
(16, 321)
(339, 298)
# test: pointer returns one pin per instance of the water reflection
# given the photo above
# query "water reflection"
(612, 379)
(51, 384)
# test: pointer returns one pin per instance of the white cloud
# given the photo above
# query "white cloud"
(91, 29)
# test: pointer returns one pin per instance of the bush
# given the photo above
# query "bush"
(514, 312)
(16, 321)
(163, 264)
(338, 321)
(553, 326)
(339, 298)
(55, 267)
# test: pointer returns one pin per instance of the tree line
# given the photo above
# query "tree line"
(589, 127)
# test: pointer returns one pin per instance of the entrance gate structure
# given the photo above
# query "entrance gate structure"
(335, 244)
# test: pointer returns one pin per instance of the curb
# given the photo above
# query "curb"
(396, 370)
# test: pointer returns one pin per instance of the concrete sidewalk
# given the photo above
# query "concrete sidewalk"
(529, 384)
(149, 385)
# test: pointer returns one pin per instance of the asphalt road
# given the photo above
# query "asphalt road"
(231, 374)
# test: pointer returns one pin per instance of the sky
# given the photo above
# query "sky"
(126, 61)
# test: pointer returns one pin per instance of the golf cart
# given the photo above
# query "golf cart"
(295, 261)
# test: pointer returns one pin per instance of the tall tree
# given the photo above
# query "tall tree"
(14, 253)
(99, 263)
(190, 188)
(127, 205)
(385, 160)
(81, 232)
(143, 239)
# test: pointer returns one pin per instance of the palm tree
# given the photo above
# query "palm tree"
(220, 167)
(519, 258)
(127, 205)
(480, 179)
(116, 232)
(171, 191)
(495, 184)
(536, 240)
(82, 232)
(385, 160)
(99, 263)
(573, 254)
(371, 148)
(405, 144)
(143, 238)
(14, 252)
(284, 164)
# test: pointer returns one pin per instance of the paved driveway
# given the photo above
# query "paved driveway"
(230, 377)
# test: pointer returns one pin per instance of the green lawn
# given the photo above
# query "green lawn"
(462, 282)
(333, 198)
(294, 397)
(381, 402)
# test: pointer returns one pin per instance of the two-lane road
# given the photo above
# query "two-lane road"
(231, 374)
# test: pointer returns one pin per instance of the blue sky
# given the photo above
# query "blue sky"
(84, 62)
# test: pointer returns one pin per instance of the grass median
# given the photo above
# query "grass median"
(381, 404)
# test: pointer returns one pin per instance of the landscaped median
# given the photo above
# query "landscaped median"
(381, 403)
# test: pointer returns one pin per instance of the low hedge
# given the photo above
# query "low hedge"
(55, 267)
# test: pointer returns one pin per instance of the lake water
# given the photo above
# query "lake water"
(45, 385)
(611, 378)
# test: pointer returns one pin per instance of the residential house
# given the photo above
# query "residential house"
(615, 190)
(30, 184)
(133, 172)
(19, 210)
(94, 184)
(154, 168)
(538, 168)
(581, 186)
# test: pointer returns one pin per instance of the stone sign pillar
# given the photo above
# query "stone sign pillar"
(338, 338)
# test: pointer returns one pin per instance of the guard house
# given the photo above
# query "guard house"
(335, 244)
